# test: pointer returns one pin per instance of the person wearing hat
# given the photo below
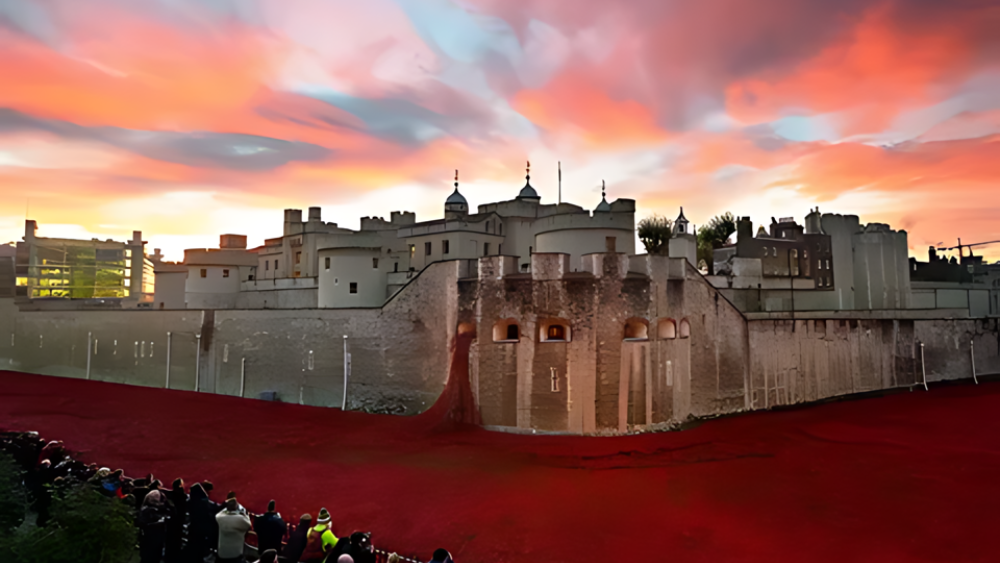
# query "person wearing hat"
(297, 539)
(233, 528)
(320, 540)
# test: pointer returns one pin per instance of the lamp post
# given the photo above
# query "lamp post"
(90, 338)
(167, 384)
(197, 361)
(347, 371)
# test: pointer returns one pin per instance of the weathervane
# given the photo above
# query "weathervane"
(602, 189)
(456, 179)
(527, 171)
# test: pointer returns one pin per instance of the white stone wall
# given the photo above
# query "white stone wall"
(213, 291)
(349, 266)
(169, 290)
(578, 242)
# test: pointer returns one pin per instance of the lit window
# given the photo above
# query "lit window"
(827, 264)
(556, 332)
(204, 273)
(225, 273)
(354, 287)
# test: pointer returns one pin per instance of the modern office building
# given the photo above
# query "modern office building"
(61, 268)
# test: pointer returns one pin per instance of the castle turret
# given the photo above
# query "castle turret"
(604, 206)
(681, 224)
(456, 206)
(528, 192)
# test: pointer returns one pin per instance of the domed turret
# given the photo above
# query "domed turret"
(456, 205)
(604, 206)
(528, 192)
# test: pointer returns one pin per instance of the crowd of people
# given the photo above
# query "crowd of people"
(185, 525)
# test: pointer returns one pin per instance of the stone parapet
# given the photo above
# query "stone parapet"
(549, 265)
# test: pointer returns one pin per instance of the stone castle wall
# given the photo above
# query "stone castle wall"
(399, 353)
(700, 356)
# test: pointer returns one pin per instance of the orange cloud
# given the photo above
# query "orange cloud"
(574, 102)
(873, 73)
(137, 74)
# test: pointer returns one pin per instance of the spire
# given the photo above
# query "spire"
(527, 172)
(456, 178)
(681, 223)
(602, 189)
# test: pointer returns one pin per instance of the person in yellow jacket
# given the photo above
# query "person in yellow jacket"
(320, 540)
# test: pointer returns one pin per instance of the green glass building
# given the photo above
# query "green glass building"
(82, 269)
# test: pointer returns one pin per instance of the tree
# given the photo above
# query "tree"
(714, 235)
(655, 233)
(85, 526)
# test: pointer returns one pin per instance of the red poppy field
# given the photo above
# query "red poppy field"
(906, 477)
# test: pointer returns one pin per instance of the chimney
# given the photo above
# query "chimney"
(30, 228)
(744, 229)
(315, 214)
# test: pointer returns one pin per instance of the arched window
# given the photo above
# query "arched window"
(553, 330)
(685, 329)
(506, 330)
(636, 329)
(666, 329)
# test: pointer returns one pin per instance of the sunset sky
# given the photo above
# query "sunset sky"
(190, 118)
